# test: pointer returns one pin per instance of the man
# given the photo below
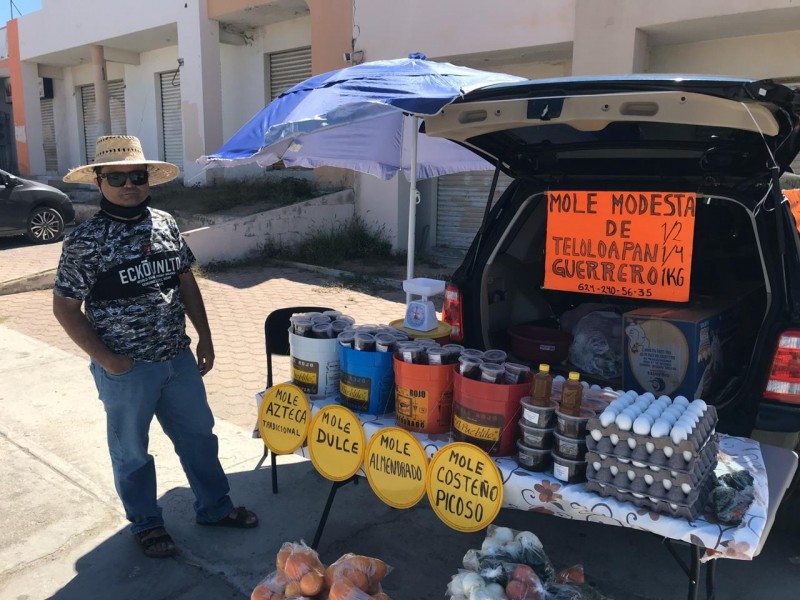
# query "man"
(130, 268)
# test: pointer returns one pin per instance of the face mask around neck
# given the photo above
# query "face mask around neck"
(124, 213)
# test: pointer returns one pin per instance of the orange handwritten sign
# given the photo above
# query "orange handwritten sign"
(793, 196)
(633, 244)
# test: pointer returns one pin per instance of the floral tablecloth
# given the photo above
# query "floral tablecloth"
(542, 492)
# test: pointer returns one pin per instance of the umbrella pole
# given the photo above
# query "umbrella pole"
(412, 205)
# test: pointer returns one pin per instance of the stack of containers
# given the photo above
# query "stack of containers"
(572, 418)
(313, 351)
(537, 423)
(486, 400)
(365, 368)
(424, 373)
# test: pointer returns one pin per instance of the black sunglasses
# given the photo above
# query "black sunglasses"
(118, 179)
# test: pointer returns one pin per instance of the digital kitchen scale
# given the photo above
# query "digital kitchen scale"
(421, 314)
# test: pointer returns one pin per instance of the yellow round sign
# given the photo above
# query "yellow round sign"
(396, 466)
(283, 418)
(336, 443)
(464, 486)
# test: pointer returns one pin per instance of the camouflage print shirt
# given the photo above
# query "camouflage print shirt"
(127, 275)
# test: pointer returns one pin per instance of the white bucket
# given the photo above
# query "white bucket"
(315, 365)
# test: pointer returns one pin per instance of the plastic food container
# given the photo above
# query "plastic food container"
(568, 470)
(470, 367)
(533, 459)
(495, 356)
(573, 427)
(570, 447)
(492, 372)
(539, 416)
(537, 437)
(516, 373)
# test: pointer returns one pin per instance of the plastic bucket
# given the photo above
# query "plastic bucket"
(366, 381)
(424, 396)
(486, 414)
(314, 365)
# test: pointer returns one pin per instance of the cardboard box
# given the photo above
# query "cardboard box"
(680, 351)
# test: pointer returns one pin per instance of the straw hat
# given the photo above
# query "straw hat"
(122, 150)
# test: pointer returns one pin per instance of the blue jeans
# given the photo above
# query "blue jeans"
(173, 391)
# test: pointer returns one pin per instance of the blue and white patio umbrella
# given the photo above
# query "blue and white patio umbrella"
(365, 118)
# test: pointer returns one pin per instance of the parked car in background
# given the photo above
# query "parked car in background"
(36, 210)
(645, 144)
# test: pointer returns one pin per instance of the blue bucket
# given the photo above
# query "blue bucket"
(366, 381)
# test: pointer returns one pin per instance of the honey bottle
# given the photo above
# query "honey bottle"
(542, 386)
(572, 395)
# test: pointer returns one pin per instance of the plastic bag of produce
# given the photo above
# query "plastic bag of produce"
(508, 546)
(467, 585)
(302, 569)
(358, 578)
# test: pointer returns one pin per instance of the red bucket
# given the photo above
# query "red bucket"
(486, 414)
(424, 396)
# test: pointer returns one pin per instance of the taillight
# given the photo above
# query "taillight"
(453, 312)
(784, 377)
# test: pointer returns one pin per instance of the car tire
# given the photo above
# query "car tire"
(45, 225)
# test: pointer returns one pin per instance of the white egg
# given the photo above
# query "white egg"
(585, 384)
(649, 395)
(648, 479)
(686, 488)
(660, 428)
(664, 398)
(687, 456)
(632, 443)
(650, 446)
(673, 474)
(632, 394)
(668, 451)
(503, 535)
(641, 425)
(607, 417)
(667, 484)
(624, 421)
(701, 404)
(673, 506)
(614, 439)
(624, 461)
(559, 378)
(614, 470)
(678, 434)
(655, 468)
(616, 405)
(654, 411)
(596, 464)
(682, 400)
(641, 465)
(631, 475)
(597, 435)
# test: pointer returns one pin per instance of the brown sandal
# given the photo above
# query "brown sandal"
(241, 519)
(151, 538)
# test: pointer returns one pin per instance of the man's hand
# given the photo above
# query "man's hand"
(205, 356)
(118, 364)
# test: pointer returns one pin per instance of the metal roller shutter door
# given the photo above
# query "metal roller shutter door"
(116, 101)
(286, 69)
(171, 123)
(49, 135)
(461, 203)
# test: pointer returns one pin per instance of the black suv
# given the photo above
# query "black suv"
(640, 193)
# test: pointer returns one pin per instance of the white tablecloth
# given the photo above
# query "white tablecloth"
(542, 492)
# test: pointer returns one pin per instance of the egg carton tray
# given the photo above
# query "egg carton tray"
(704, 429)
(645, 480)
(673, 503)
(656, 461)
